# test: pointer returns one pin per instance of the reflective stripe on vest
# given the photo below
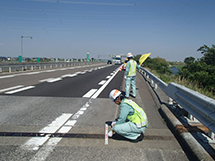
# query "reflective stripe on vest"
(142, 118)
(132, 69)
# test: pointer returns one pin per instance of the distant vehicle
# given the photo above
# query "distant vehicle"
(109, 62)
(118, 61)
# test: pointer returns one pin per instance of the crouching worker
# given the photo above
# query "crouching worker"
(132, 120)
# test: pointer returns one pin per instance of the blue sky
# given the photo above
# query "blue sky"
(169, 29)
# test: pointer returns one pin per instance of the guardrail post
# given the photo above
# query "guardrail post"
(191, 117)
(211, 135)
(32, 67)
(9, 69)
(0, 70)
(170, 101)
(156, 86)
(152, 82)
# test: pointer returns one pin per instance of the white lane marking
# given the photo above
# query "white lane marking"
(11, 88)
(54, 80)
(45, 151)
(65, 129)
(34, 143)
(90, 93)
(102, 87)
(19, 90)
(68, 75)
(71, 123)
(7, 76)
(45, 80)
(102, 82)
(108, 77)
(33, 73)
(50, 70)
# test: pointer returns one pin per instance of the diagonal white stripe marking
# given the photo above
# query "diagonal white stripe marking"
(19, 90)
(11, 88)
(90, 93)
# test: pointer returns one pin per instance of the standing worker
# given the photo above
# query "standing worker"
(130, 75)
(132, 120)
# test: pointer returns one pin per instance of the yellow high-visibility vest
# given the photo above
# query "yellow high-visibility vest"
(132, 69)
(139, 117)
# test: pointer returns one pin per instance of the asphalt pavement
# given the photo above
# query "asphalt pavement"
(85, 140)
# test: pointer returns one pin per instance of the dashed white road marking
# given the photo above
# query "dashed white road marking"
(108, 77)
(32, 73)
(102, 82)
(54, 80)
(11, 88)
(19, 90)
(90, 93)
(103, 86)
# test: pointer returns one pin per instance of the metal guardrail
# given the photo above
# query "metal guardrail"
(9, 68)
(200, 106)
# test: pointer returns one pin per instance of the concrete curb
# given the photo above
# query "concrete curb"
(192, 145)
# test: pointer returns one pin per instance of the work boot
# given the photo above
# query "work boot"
(139, 138)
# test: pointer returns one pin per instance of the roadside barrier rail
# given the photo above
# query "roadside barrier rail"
(198, 105)
(9, 68)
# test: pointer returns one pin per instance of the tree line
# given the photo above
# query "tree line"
(201, 72)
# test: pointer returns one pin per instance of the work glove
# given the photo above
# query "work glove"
(111, 132)
(113, 123)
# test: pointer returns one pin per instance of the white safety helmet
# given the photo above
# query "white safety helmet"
(130, 55)
(114, 94)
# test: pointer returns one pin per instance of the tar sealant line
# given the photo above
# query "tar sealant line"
(34, 143)
(19, 90)
(11, 88)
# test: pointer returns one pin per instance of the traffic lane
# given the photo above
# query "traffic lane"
(76, 86)
(116, 83)
(34, 113)
(34, 77)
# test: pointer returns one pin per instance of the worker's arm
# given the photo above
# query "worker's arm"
(138, 66)
(127, 68)
(125, 110)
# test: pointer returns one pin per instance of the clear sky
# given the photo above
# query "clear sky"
(170, 29)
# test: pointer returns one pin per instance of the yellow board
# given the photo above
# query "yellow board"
(143, 58)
